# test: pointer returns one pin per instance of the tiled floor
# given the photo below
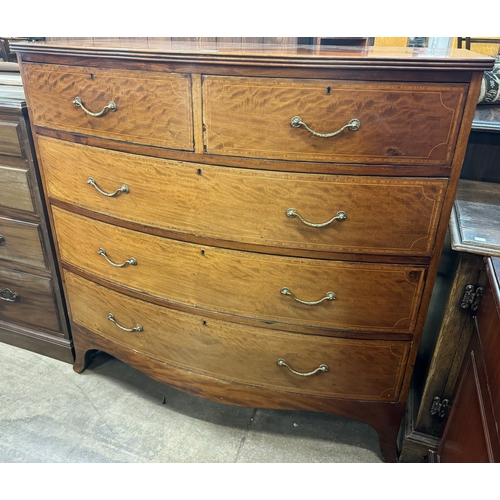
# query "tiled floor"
(112, 413)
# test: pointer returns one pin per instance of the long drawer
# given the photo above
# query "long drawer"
(26, 299)
(370, 370)
(151, 108)
(247, 205)
(397, 123)
(365, 297)
(20, 242)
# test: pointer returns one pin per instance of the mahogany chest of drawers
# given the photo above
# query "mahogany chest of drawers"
(32, 312)
(258, 226)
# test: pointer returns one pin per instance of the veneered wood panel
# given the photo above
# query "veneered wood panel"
(15, 189)
(370, 370)
(400, 123)
(21, 243)
(368, 296)
(152, 108)
(35, 306)
(247, 205)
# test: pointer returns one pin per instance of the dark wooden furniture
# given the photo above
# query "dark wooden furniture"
(32, 312)
(212, 236)
(471, 433)
(474, 233)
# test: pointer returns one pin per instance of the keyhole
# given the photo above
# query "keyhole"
(203, 252)
(328, 90)
(91, 76)
(198, 171)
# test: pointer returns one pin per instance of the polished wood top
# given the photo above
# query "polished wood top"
(160, 49)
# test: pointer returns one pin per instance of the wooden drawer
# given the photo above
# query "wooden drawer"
(15, 189)
(34, 304)
(151, 108)
(21, 242)
(368, 296)
(369, 370)
(10, 145)
(384, 215)
(400, 123)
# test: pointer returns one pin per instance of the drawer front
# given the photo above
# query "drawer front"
(15, 189)
(384, 215)
(370, 370)
(27, 300)
(399, 123)
(10, 144)
(21, 242)
(151, 108)
(368, 296)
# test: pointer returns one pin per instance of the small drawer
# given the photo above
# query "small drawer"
(21, 242)
(390, 123)
(366, 297)
(10, 145)
(27, 300)
(148, 108)
(356, 369)
(15, 189)
(384, 215)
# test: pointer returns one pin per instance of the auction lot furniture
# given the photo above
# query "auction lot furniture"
(260, 226)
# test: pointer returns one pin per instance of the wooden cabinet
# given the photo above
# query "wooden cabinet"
(32, 310)
(471, 433)
(255, 225)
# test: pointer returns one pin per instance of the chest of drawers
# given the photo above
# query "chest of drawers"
(257, 226)
(32, 312)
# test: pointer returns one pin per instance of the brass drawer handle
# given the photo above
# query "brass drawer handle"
(297, 122)
(130, 261)
(9, 295)
(292, 213)
(123, 189)
(2, 240)
(137, 328)
(321, 368)
(78, 103)
(328, 296)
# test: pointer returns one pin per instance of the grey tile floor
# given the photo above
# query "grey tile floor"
(113, 413)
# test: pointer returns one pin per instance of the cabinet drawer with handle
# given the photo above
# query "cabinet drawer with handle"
(335, 121)
(134, 106)
(26, 299)
(330, 213)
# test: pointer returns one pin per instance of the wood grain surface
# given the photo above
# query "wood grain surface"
(380, 297)
(152, 108)
(22, 243)
(384, 215)
(251, 117)
(370, 370)
(16, 190)
(9, 139)
(35, 306)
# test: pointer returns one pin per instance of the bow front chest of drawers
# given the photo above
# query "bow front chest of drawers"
(258, 226)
